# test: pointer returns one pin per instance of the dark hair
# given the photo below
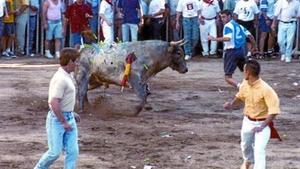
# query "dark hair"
(226, 12)
(253, 66)
(68, 54)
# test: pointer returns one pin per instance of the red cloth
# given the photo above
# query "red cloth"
(274, 132)
(76, 15)
(130, 58)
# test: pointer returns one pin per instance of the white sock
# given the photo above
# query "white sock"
(8, 50)
(57, 54)
(47, 51)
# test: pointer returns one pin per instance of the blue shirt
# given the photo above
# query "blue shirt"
(129, 9)
(237, 34)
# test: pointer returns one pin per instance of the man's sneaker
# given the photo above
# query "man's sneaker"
(282, 57)
(5, 55)
(48, 55)
(12, 55)
(32, 55)
(288, 60)
(187, 57)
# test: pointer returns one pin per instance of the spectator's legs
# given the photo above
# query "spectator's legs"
(125, 32)
(1, 33)
(187, 33)
(195, 33)
(133, 32)
(263, 36)
(94, 20)
(204, 38)
(32, 28)
(21, 27)
(290, 41)
(108, 33)
(282, 34)
(174, 32)
(271, 41)
(213, 32)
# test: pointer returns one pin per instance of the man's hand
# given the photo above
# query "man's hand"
(257, 129)
(273, 26)
(201, 21)
(177, 25)
(46, 26)
(211, 38)
(227, 106)
(67, 126)
(77, 117)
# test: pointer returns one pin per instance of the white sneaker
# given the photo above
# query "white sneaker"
(57, 55)
(187, 57)
(48, 55)
(288, 60)
(282, 57)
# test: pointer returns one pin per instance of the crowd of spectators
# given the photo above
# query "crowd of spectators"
(22, 32)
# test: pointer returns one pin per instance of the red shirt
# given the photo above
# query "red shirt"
(76, 16)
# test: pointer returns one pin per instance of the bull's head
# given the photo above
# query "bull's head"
(177, 56)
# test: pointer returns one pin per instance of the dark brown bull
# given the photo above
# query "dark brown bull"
(100, 66)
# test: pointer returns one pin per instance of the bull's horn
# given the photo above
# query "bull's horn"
(176, 43)
(183, 43)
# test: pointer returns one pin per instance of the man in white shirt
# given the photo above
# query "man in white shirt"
(246, 12)
(155, 13)
(106, 14)
(189, 9)
(209, 10)
(286, 12)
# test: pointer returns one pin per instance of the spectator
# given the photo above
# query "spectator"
(34, 8)
(155, 14)
(246, 13)
(189, 9)
(209, 10)
(130, 10)
(78, 15)
(265, 21)
(286, 12)
(106, 14)
(21, 21)
(175, 34)
(52, 20)
(229, 5)
(94, 20)
(8, 31)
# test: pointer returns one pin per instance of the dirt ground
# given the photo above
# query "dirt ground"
(183, 125)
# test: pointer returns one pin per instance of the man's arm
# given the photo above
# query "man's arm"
(55, 107)
(45, 9)
(253, 42)
(235, 104)
(178, 15)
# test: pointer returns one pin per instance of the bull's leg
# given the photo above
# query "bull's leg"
(82, 79)
(140, 89)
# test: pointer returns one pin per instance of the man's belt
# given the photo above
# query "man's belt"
(274, 132)
(287, 21)
(208, 18)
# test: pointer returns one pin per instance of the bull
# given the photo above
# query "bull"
(97, 66)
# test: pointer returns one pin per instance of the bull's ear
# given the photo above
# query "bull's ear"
(170, 49)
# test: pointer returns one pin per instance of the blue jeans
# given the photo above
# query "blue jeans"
(133, 28)
(286, 35)
(32, 28)
(190, 34)
(1, 27)
(94, 20)
(59, 140)
(21, 22)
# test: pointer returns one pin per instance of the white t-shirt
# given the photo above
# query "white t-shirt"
(209, 10)
(155, 6)
(2, 5)
(189, 8)
(107, 10)
(62, 87)
(287, 11)
(246, 10)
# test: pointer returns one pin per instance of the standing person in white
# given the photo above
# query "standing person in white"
(286, 12)
(189, 9)
(209, 10)
(106, 13)
(155, 13)
(246, 12)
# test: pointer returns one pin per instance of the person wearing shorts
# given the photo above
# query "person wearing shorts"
(8, 31)
(234, 38)
(52, 15)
